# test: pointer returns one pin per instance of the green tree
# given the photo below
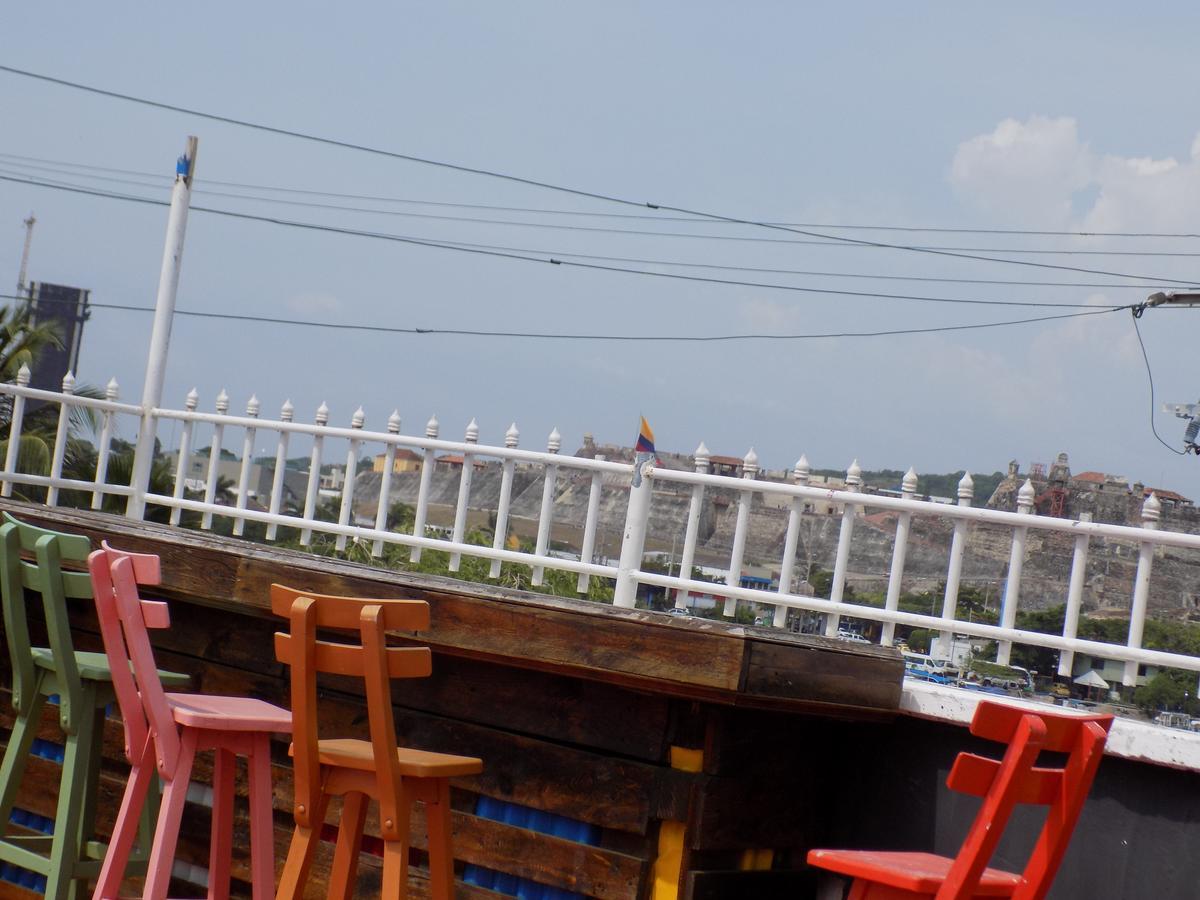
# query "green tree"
(1166, 690)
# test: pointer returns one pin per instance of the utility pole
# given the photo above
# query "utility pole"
(29, 223)
(160, 336)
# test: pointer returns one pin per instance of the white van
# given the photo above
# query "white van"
(922, 664)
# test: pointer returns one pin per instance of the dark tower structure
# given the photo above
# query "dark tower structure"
(66, 308)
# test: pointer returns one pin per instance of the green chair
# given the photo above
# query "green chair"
(83, 685)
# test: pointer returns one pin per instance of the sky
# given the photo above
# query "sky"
(1022, 116)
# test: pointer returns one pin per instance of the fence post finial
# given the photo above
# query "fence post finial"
(909, 484)
(68, 385)
(393, 425)
(702, 457)
(1025, 497)
(801, 470)
(854, 476)
(222, 402)
(192, 400)
(287, 411)
(431, 427)
(113, 390)
(23, 375)
(322, 414)
(511, 436)
(966, 489)
(472, 436)
(750, 464)
(1151, 511)
(554, 442)
(252, 406)
(358, 419)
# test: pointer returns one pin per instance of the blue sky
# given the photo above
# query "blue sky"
(946, 115)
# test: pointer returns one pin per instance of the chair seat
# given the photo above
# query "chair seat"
(355, 754)
(919, 872)
(94, 667)
(229, 713)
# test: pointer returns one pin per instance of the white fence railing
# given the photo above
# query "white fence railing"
(639, 479)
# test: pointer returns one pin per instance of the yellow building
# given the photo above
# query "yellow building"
(404, 461)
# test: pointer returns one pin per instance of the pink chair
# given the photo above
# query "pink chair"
(165, 731)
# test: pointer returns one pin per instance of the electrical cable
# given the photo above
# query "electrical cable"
(532, 182)
(562, 336)
(525, 257)
(734, 268)
(608, 215)
(1137, 314)
(554, 226)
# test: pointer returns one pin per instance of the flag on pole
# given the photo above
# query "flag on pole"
(645, 441)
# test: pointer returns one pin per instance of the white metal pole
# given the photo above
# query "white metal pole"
(841, 562)
(160, 335)
(908, 488)
(1012, 585)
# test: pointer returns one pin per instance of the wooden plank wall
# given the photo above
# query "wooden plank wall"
(572, 706)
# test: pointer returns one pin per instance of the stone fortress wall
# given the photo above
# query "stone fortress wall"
(1175, 586)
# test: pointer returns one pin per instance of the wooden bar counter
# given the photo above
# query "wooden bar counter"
(619, 720)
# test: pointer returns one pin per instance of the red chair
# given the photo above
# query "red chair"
(165, 731)
(881, 875)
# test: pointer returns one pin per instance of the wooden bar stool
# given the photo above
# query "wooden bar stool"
(168, 730)
(882, 875)
(359, 770)
(83, 684)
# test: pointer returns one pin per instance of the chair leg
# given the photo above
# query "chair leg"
(262, 819)
(300, 854)
(220, 856)
(395, 869)
(441, 853)
(87, 821)
(166, 835)
(65, 849)
(16, 754)
(142, 776)
(343, 872)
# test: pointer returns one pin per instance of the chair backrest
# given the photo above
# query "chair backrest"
(1018, 779)
(43, 574)
(146, 571)
(124, 622)
(369, 658)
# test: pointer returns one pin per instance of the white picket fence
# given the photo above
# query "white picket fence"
(642, 476)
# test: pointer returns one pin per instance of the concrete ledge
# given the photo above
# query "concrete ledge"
(1130, 739)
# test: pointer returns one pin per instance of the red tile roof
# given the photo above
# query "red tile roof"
(1097, 477)
(1164, 494)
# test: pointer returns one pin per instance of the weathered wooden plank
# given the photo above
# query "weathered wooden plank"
(827, 675)
(699, 659)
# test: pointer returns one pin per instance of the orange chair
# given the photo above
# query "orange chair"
(1002, 784)
(359, 770)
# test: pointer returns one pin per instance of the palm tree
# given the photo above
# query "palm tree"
(21, 342)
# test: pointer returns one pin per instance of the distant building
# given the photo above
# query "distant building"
(405, 460)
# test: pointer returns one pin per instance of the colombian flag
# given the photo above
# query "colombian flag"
(645, 441)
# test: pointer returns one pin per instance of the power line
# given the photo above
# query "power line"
(712, 266)
(564, 336)
(577, 192)
(49, 164)
(1150, 379)
(526, 257)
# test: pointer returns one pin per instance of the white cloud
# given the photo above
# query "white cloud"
(1033, 173)
(1027, 170)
